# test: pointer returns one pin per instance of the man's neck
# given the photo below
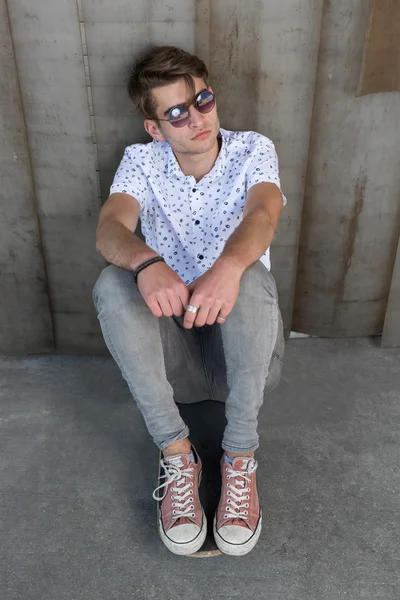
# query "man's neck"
(198, 165)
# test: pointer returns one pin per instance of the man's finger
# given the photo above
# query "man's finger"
(202, 315)
(176, 304)
(185, 297)
(190, 315)
(214, 312)
(221, 319)
(155, 308)
(165, 305)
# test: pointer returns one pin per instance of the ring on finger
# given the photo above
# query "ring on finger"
(221, 318)
(192, 309)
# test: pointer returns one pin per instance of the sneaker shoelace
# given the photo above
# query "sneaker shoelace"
(237, 492)
(182, 491)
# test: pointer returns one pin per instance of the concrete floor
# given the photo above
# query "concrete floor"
(77, 473)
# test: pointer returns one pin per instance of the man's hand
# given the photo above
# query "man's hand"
(163, 290)
(214, 294)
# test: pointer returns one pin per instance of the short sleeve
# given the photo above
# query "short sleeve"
(130, 178)
(264, 166)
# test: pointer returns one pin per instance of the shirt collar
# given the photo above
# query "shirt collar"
(218, 169)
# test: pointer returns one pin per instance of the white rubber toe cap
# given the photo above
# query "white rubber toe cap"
(183, 534)
(234, 534)
(236, 540)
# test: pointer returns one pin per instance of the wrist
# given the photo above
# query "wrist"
(230, 263)
(142, 258)
(145, 265)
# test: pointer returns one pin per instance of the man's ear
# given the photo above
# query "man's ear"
(152, 129)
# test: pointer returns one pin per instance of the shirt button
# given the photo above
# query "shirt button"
(197, 222)
(200, 256)
(194, 190)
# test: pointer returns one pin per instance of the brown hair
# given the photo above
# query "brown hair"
(161, 66)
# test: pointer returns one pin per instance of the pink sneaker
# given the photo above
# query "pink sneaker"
(182, 522)
(237, 523)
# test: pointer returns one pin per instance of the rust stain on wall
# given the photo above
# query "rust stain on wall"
(232, 43)
(359, 196)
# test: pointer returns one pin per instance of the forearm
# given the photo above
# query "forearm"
(120, 247)
(249, 241)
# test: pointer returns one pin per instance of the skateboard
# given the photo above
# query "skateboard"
(206, 422)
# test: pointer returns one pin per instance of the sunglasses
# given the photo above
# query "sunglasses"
(179, 116)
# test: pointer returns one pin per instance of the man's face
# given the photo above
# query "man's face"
(183, 140)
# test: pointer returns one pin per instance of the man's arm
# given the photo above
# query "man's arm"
(161, 288)
(255, 233)
(216, 292)
(116, 240)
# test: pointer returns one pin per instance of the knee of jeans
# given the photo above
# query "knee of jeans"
(258, 279)
(112, 284)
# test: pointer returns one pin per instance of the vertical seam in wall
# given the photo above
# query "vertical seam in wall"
(89, 91)
(200, 21)
(210, 29)
(32, 177)
(323, 9)
(209, 34)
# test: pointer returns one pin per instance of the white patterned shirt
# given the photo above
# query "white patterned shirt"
(189, 222)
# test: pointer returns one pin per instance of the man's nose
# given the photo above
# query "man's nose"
(196, 118)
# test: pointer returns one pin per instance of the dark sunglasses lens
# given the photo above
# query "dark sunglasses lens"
(178, 117)
(205, 102)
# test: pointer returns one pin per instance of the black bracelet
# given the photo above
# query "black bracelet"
(146, 264)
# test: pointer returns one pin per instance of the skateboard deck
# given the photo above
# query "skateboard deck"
(206, 422)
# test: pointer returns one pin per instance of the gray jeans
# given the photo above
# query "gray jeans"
(238, 362)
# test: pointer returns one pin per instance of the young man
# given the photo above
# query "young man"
(191, 313)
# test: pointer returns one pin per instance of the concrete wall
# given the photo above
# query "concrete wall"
(350, 223)
(25, 315)
(288, 69)
(49, 58)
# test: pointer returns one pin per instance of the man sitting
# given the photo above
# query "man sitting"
(192, 313)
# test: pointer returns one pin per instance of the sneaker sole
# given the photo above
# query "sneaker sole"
(237, 549)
